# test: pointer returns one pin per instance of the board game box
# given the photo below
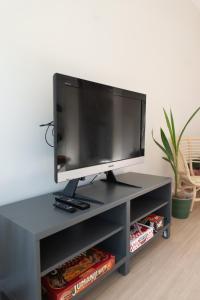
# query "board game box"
(154, 221)
(139, 235)
(74, 276)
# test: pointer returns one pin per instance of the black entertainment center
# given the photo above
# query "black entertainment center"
(97, 129)
(37, 237)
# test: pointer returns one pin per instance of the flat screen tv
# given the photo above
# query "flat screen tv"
(97, 128)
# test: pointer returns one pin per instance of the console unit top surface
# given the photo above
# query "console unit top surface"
(38, 216)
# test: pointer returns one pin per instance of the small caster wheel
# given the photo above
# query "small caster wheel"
(166, 234)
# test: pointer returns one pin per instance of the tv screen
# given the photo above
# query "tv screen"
(95, 124)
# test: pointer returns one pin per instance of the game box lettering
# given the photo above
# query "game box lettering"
(76, 275)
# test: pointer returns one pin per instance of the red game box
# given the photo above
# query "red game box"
(139, 235)
(73, 277)
(154, 221)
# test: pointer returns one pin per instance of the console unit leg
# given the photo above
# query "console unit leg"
(166, 233)
(124, 269)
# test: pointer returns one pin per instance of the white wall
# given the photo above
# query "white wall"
(196, 2)
(141, 45)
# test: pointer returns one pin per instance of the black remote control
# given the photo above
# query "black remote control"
(74, 202)
(65, 207)
(78, 203)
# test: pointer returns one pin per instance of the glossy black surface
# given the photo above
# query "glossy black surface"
(95, 123)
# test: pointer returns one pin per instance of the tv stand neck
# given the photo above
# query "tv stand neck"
(70, 192)
(111, 178)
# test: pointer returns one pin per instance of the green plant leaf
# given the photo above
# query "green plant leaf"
(166, 145)
(170, 128)
(173, 131)
(165, 158)
(182, 131)
(158, 144)
(164, 150)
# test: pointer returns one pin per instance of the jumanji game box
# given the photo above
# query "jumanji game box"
(74, 276)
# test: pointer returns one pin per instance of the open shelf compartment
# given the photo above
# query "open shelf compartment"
(148, 203)
(66, 244)
(163, 210)
(156, 235)
(118, 264)
(111, 245)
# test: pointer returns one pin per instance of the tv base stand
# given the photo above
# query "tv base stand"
(70, 192)
(111, 178)
(36, 238)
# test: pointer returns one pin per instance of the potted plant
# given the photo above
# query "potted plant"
(180, 204)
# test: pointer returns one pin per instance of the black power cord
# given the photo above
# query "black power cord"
(48, 125)
(91, 182)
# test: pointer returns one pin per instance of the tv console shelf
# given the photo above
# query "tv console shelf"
(36, 238)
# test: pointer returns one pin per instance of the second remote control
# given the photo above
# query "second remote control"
(78, 203)
(74, 202)
(65, 207)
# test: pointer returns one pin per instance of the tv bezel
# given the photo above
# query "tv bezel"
(99, 168)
